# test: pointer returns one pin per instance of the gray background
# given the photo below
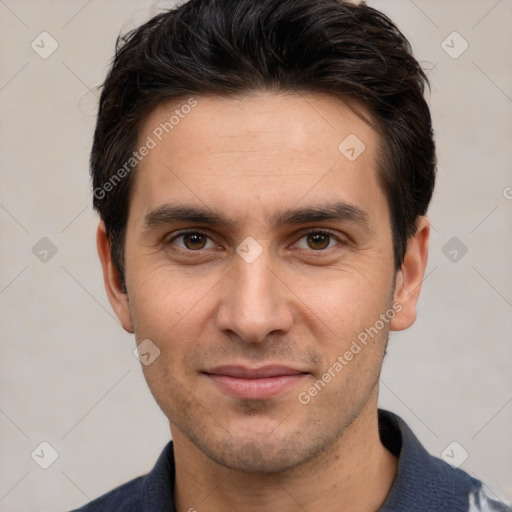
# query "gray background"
(68, 374)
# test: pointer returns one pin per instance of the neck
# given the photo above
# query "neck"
(354, 475)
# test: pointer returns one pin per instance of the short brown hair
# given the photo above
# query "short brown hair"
(231, 47)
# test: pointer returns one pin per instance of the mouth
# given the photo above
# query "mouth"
(254, 383)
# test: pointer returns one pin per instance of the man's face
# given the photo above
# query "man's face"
(248, 315)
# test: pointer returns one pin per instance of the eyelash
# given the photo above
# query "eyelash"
(327, 232)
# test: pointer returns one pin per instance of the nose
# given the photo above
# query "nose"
(255, 301)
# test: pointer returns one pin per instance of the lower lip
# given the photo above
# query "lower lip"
(255, 389)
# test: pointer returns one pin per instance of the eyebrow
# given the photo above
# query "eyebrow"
(334, 211)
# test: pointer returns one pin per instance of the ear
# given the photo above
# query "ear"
(410, 276)
(117, 298)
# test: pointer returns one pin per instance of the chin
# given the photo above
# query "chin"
(258, 456)
(263, 449)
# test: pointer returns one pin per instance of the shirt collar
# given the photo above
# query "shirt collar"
(422, 483)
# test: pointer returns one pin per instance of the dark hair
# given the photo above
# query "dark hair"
(234, 47)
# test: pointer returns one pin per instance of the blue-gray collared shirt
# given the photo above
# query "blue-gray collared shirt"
(423, 483)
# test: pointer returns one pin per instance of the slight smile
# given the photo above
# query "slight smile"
(255, 383)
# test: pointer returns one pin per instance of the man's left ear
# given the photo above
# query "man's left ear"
(410, 276)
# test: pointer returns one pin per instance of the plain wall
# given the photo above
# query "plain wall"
(68, 373)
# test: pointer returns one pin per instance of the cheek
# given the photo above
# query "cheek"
(343, 306)
(171, 316)
(162, 296)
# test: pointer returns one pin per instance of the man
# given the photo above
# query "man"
(262, 170)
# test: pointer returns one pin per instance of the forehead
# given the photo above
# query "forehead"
(256, 153)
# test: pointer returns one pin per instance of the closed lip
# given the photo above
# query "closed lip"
(263, 383)
(244, 372)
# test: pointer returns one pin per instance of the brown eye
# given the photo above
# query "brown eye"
(194, 241)
(191, 241)
(318, 241)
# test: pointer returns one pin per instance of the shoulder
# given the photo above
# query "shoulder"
(149, 493)
(124, 498)
(479, 501)
(425, 483)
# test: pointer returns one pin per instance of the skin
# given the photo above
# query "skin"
(300, 303)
